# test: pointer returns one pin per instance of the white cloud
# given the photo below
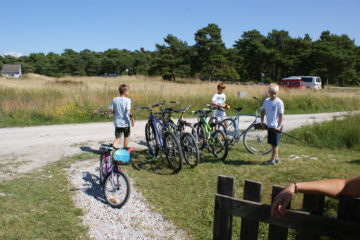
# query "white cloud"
(13, 53)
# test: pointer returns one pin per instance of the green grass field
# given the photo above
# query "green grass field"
(39, 206)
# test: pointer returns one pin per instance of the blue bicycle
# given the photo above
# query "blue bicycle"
(254, 138)
(160, 136)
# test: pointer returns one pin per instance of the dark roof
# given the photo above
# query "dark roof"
(11, 68)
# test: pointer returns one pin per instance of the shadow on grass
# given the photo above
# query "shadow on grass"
(208, 157)
(141, 160)
(354, 161)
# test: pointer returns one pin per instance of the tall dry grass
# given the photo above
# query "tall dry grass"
(37, 99)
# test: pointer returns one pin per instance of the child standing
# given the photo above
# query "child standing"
(121, 107)
(273, 107)
(218, 100)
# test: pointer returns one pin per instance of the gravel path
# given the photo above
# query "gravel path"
(134, 221)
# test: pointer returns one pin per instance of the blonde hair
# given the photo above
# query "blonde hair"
(274, 88)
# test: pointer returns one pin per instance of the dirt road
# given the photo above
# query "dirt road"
(28, 148)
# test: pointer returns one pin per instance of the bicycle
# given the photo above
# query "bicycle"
(254, 138)
(159, 137)
(116, 185)
(213, 140)
(188, 142)
(214, 122)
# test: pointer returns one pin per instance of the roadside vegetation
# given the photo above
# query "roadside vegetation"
(340, 133)
(38, 100)
(39, 206)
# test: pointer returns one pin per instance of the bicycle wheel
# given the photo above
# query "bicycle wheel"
(202, 141)
(173, 151)
(255, 141)
(116, 189)
(151, 140)
(172, 128)
(216, 125)
(190, 149)
(230, 126)
(190, 129)
(219, 145)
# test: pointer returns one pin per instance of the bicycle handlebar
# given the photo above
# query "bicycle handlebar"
(149, 108)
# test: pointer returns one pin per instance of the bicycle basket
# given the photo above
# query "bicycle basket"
(121, 156)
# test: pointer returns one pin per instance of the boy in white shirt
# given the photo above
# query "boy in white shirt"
(121, 107)
(273, 107)
(218, 100)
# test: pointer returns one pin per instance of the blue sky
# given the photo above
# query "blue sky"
(54, 25)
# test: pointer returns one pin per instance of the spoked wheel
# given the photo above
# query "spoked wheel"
(202, 141)
(151, 140)
(230, 126)
(216, 125)
(190, 149)
(255, 141)
(116, 189)
(172, 128)
(219, 145)
(173, 151)
(188, 127)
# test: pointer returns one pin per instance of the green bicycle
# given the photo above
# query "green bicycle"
(210, 138)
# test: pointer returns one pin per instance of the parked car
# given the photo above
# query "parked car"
(309, 81)
(292, 83)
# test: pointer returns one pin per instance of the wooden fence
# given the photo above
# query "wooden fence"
(309, 223)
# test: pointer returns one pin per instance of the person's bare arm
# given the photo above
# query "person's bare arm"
(262, 115)
(132, 120)
(280, 122)
(330, 187)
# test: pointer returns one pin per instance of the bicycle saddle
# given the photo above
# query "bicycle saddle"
(238, 109)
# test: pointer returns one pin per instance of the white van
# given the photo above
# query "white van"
(308, 81)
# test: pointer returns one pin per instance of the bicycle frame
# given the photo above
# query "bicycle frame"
(239, 132)
(154, 121)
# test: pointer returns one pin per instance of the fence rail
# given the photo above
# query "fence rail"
(309, 223)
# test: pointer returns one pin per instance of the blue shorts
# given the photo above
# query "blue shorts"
(273, 137)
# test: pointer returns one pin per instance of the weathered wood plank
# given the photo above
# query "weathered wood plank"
(222, 216)
(313, 204)
(277, 232)
(250, 228)
(298, 220)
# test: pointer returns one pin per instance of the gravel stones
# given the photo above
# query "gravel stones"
(135, 220)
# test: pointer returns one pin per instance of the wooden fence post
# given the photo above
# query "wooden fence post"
(312, 204)
(250, 228)
(276, 232)
(349, 209)
(222, 215)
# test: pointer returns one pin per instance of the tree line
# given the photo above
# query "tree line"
(253, 57)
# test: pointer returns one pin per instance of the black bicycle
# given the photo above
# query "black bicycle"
(188, 141)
